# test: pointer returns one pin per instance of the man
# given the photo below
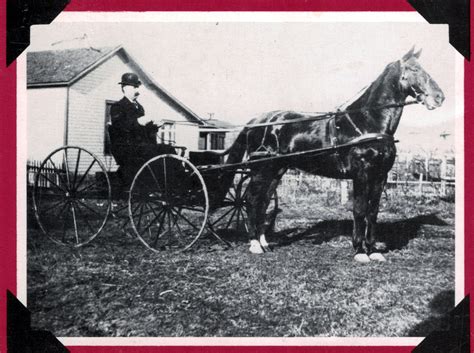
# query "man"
(132, 134)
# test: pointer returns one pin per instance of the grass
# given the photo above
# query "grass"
(308, 286)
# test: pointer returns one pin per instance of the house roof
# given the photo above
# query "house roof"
(61, 66)
(219, 124)
(56, 68)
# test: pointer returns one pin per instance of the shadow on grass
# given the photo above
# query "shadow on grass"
(440, 306)
(395, 235)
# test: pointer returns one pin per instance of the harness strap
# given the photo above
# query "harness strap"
(346, 115)
(332, 131)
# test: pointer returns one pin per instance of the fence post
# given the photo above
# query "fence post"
(344, 192)
(420, 185)
(443, 175)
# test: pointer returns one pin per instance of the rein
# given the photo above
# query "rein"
(324, 115)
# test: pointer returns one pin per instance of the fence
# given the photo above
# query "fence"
(411, 175)
(49, 171)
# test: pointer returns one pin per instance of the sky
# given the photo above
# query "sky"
(238, 70)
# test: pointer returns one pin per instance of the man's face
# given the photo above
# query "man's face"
(131, 92)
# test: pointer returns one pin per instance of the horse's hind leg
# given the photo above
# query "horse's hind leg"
(361, 200)
(266, 222)
(375, 194)
(260, 190)
(254, 194)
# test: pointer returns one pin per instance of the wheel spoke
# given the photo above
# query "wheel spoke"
(53, 182)
(140, 216)
(178, 227)
(88, 186)
(169, 221)
(166, 177)
(76, 169)
(55, 205)
(85, 218)
(89, 208)
(222, 216)
(58, 171)
(153, 221)
(86, 173)
(230, 219)
(187, 221)
(75, 223)
(65, 207)
(66, 164)
(160, 227)
(238, 219)
(245, 222)
(154, 176)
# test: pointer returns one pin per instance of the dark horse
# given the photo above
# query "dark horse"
(366, 164)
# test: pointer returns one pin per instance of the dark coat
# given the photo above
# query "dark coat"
(124, 115)
(133, 144)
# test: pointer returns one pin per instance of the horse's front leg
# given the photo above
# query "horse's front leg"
(377, 186)
(360, 206)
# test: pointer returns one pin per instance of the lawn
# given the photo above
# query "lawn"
(308, 286)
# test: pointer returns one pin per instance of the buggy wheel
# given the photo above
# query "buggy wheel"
(168, 203)
(71, 196)
(232, 214)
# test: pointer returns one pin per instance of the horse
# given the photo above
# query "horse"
(376, 111)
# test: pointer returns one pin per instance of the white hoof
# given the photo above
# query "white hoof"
(376, 256)
(362, 258)
(263, 241)
(255, 247)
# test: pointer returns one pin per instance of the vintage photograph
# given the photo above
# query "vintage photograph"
(283, 177)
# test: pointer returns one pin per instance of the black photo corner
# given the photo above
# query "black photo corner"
(454, 331)
(21, 338)
(21, 15)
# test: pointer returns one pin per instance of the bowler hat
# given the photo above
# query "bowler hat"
(130, 79)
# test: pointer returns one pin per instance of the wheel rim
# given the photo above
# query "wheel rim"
(233, 212)
(70, 203)
(168, 203)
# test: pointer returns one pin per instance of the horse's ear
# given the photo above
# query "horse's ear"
(417, 54)
(409, 54)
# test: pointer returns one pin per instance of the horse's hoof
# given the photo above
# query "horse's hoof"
(376, 256)
(264, 244)
(255, 247)
(362, 258)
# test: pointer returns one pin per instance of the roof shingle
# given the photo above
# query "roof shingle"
(61, 66)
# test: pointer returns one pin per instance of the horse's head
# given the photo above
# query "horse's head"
(418, 83)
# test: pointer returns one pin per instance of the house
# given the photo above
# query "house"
(69, 94)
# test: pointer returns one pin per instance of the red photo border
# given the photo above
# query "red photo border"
(8, 152)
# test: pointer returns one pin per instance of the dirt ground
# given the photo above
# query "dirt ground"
(308, 286)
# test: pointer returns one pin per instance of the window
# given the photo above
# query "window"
(108, 104)
(217, 140)
(167, 133)
(211, 140)
(202, 144)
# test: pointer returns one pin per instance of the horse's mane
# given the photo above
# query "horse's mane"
(391, 72)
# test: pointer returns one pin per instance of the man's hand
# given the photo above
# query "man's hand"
(144, 120)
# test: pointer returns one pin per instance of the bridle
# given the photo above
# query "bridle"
(418, 94)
